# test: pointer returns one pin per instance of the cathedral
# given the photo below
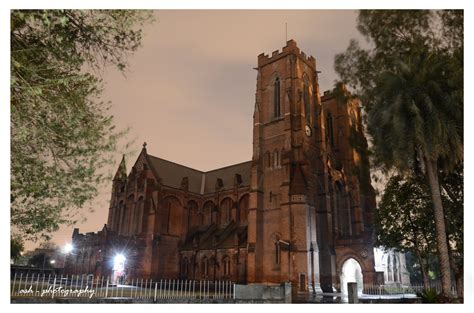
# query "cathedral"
(298, 211)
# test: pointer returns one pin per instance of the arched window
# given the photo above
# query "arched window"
(330, 130)
(193, 217)
(206, 213)
(276, 98)
(276, 159)
(214, 215)
(118, 217)
(226, 265)
(307, 110)
(243, 208)
(268, 160)
(225, 208)
(127, 221)
(172, 216)
(204, 267)
(277, 251)
(184, 267)
(138, 216)
(343, 211)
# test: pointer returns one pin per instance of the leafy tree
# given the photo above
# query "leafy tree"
(404, 220)
(62, 133)
(410, 81)
(40, 260)
(16, 248)
(49, 245)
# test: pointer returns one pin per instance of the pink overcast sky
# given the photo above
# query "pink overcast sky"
(190, 89)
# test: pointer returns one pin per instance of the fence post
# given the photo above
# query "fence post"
(54, 286)
(102, 286)
(13, 287)
(141, 288)
(32, 277)
(107, 287)
(26, 279)
(42, 283)
(19, 284)
(37, 283)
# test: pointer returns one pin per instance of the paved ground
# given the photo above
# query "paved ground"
(336, 298)
(317, 298)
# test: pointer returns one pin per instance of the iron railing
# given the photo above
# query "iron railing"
(83, 286)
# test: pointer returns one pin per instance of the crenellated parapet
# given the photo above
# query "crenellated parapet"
(290, 48)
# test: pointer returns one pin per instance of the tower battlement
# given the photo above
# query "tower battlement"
(290, 48)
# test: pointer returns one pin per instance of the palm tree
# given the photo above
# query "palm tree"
(416, 122)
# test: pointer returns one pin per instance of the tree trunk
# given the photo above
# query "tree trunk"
(442, 243)
(460, 282)
(424, 272)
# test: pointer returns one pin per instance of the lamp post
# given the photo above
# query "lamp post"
(67, 249)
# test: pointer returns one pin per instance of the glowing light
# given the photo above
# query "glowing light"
(52, 261)
(68, 248)
(119, 262)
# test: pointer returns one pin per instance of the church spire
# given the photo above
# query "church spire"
(121, 173)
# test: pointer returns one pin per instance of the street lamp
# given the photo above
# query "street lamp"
(68, 248)
(119, 261)
(119, 266)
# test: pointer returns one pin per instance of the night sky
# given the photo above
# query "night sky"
(190, 89)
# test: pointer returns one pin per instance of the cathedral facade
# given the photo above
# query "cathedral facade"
(297, 211)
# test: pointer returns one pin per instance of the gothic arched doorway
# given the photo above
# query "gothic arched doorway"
(351, 272)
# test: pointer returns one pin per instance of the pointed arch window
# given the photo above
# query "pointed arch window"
(268, 160)
(184, 267)
(226, 265)
(205, 267)
(276, 159)
(330, 131)
(276, 98)
(277, 252)
(307, 110)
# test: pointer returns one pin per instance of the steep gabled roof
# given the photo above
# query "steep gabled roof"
(172, 174)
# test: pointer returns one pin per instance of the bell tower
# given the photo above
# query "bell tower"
(282, 233)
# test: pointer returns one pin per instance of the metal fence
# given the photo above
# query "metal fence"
(88, 286)
(399, 289)
(394, 289)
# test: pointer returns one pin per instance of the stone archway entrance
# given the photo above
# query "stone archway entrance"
(351, 272)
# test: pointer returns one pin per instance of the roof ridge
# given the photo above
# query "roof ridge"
(202, 172)
(175, 163)
(220, 168)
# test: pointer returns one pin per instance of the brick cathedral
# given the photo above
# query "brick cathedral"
(296, 212)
